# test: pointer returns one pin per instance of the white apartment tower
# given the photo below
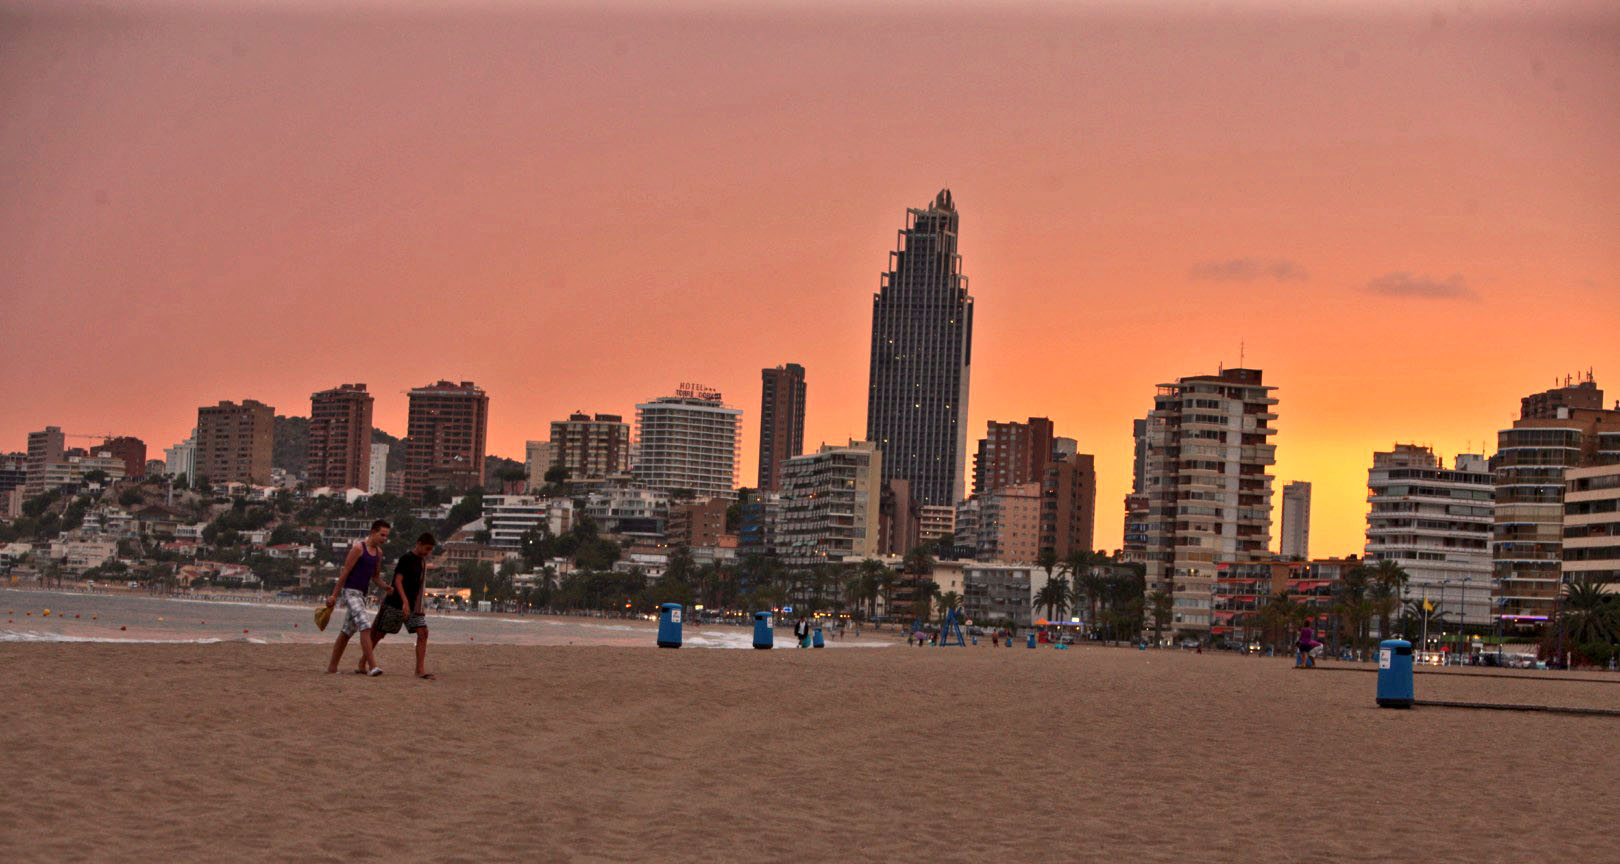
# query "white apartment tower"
(1209, 493)
(378, 482)
(829, 504)
(1436, 523)
(1296, 521)
(689, 441)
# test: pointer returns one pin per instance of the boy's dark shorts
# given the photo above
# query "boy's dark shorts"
(415, 623)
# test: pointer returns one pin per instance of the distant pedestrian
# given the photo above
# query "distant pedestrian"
(404, 603)
(801, 629)
(1305, 646)
(361, 569)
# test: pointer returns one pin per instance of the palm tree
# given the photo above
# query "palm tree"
(948, 601)
(1388, 580)
(1353, 607)
(872, 576)
(1590, 614)
(919, 562)
(1055, 596)
(1162, 605)
(927, 590)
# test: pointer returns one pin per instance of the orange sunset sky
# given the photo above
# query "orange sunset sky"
(1407, 213)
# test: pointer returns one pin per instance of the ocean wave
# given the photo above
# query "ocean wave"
(38, 636)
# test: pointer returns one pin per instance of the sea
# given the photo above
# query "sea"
(37, 615)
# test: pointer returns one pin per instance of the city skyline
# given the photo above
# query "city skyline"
(1361, 227)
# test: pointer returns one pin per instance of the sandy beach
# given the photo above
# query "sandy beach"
(248, 752)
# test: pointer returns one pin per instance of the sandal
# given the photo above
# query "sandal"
(375, 671)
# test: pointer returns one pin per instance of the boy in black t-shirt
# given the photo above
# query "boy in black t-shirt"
(407, 595)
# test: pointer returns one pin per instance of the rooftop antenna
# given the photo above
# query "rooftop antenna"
(1241, 348)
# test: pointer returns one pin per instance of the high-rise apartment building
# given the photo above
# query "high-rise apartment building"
(1010, 524)
(1295, 541)
(590, 447)
(698, 523)
(690, 441)
(536, 462)
(899, 520)
(922, 338)
(46, 448)
(340, 438)
(830, 504)
(1068, 505)
(1435, 522)
(13, 472)
(234, 442)
(1592, 524)
(445, 438)
(1012, 454)
(181, 459)
(130, 449)
(1209, 493)
(1559, 429)
(781, 422)
(377, 473)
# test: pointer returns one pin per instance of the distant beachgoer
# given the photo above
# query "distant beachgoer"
(405, 599)
(801, 629)
(1307, 643)
(361, 569)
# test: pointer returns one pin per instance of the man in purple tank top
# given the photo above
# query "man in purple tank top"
(361, 570)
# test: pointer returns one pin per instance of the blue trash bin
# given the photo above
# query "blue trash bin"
(764, 636)
(817, 641)
(669, 625)
(1032, 640)
(1394, 673)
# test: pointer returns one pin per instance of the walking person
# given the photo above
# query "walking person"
(361, 569)
(1306, 645)
(801, 629)
(404, 603)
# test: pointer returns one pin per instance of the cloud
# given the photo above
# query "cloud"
(1404, 284)
(1249, 270)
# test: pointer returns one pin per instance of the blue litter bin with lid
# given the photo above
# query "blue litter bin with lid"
(764, 636)
(1032, 639)
(669, 625)
(1394, 673)
(816, 640)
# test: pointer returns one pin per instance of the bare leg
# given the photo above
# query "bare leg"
(376, 637)
(421, 652)
(368, 661)
(337, 652)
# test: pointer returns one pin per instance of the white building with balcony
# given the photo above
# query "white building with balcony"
(1592, 525)
(1436, 523)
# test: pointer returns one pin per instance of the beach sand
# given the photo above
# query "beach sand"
(232, 752)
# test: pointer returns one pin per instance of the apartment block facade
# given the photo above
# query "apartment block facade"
(1208, 487)
(1011, 454)
(234, 441)
(340, 438)
(689, 442)
(830, 505)
(781, 422)
(1436, 523)
(590, 446)
(445, 438)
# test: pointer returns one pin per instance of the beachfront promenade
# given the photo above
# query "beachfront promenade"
(203, 752)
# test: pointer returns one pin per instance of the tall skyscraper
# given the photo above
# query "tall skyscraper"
(1296, 521)
(1209, 496)
(46, 448)
(1435, 522)
(1558, 429)
(689, 441)
(445, 438)
(1139, 455)
(234, 442)
(922, 339)
(340, 438)
(781, 422)
(590, 447)
(1012, 454)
